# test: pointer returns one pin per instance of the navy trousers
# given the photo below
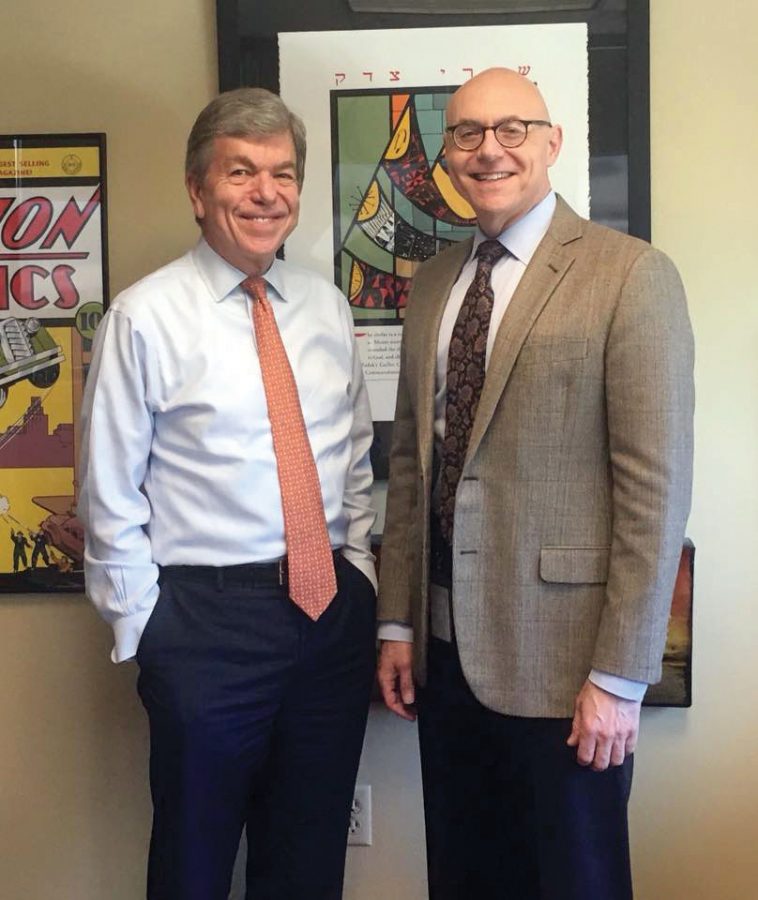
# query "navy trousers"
(510, 815)
(257, 716)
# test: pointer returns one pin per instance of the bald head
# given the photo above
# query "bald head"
(502, 183)
(487, 90)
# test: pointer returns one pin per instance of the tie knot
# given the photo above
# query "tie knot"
(255, 286)
(489, 252)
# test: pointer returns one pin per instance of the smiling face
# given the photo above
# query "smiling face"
(248, 201)
(501, 184)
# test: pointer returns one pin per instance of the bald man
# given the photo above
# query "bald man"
(539, 489)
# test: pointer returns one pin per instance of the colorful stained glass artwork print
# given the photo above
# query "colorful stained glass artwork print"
(394, 203)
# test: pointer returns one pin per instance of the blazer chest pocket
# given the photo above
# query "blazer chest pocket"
(546, 351)
(574, 565)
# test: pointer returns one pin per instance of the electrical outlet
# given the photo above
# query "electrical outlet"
(359, 830)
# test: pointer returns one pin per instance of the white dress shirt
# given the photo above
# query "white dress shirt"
(520, 239)
(178, 466)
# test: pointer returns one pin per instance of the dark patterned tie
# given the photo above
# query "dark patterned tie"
(465, 377)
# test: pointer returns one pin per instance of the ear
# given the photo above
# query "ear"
(195, 191)
(554, 144)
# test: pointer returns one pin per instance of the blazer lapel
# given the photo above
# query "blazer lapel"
(552, 259)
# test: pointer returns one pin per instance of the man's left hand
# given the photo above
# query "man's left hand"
(604, 729)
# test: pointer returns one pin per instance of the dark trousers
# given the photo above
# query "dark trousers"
(257, 716)
(510, 815)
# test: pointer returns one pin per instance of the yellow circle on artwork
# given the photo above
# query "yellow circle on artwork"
(401, 138)
(356, 281)
(71, 164)
(370, 204)
(458, 204)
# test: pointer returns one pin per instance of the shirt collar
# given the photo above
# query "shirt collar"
(222, 278)
(522, 237)
(275, 276)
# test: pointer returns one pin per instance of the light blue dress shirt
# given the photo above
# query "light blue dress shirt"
(177, 463)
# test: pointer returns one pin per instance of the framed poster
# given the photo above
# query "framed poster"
(53, 291)
(377, 200)
(332, 61)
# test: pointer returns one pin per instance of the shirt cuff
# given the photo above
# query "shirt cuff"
(620, 687)
(394, 631)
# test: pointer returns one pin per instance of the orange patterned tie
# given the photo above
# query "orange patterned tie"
(310, 565)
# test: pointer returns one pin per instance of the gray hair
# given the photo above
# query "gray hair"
(244, 112)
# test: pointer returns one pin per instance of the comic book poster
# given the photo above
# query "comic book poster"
(53, 290)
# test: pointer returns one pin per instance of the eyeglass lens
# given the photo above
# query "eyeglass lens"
(511, 133)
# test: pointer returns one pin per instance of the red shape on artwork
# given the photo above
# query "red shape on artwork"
(27, 443)
(380, 290)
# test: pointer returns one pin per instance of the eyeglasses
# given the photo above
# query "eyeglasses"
(509, 133)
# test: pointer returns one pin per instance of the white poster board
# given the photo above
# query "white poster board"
(316, 65)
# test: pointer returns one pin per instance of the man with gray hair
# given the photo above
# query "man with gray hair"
(225, 494)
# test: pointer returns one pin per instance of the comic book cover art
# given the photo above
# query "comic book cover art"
(53, 287)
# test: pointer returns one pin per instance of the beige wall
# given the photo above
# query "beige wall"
(74, 808)
(695, 816)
